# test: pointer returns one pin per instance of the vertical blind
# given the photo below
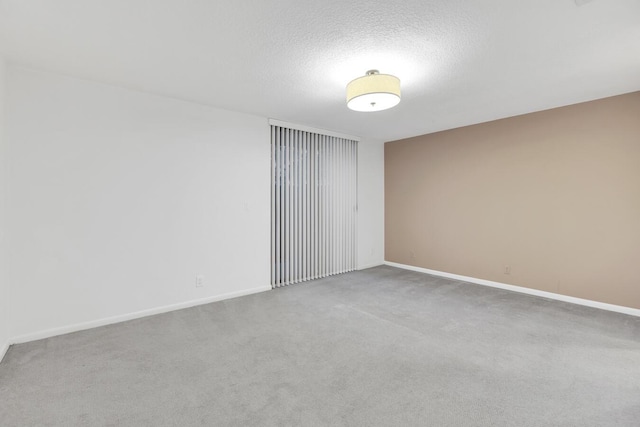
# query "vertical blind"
(313, 205)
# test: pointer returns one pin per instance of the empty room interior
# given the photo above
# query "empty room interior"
(286, 213)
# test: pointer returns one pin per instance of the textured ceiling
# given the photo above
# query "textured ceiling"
(460, 61)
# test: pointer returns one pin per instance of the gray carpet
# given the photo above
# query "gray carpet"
(379, 347)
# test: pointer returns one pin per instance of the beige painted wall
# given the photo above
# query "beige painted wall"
(554, 195)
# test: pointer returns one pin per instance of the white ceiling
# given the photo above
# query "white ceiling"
(460, 61)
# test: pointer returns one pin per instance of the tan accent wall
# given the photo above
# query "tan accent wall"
(554, 196)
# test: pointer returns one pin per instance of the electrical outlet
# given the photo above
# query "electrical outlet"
(199, 280)
(507, 269)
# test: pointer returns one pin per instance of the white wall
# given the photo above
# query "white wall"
(118, 199)
(370, 203)
(4, 304)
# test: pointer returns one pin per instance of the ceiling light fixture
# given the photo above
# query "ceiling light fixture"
(373, 92)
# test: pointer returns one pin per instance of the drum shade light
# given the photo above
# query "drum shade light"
(373, 92)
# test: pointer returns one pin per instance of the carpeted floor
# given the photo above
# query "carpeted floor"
(378, 347)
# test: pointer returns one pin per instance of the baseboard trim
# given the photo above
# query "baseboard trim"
(580, 301)
(364, 267)
(131, 316)
(3, 351)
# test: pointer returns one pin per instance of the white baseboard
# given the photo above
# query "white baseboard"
(364, 267)
(522, 290)
(3, 350)
(130, 316)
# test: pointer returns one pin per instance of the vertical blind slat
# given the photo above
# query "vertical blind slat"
(296, 206)
(303, 203)
(288, 207)
(273, 209)
(277, 202)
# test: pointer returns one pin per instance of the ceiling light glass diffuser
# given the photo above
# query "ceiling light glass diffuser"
(373, 92)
